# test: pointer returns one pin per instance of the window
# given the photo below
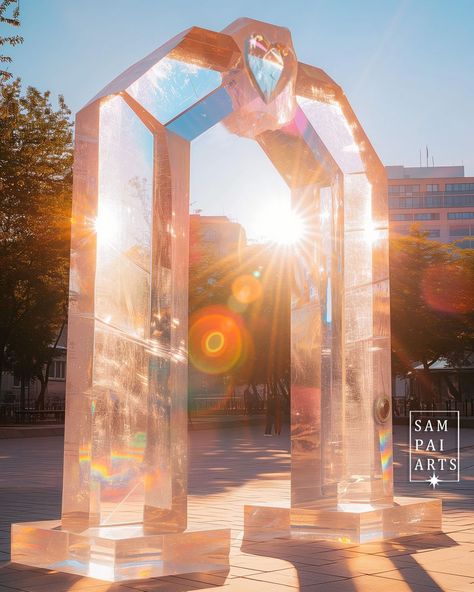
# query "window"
(57, 370)
(464, 244)
(432, 188)
(394, 189)
(210, 235)
(394, 203)
(411, 189)
(459, 187)
(426, 216)
(433, 202)
(460, 215)
(459, 231)
(459, 201)
(401, 217)
(433, 232)
(402, 230)
(403, 189)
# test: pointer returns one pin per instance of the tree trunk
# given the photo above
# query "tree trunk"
(22, 391)
(428, 394)
(2, 355)
(44, 379)
(452, 389)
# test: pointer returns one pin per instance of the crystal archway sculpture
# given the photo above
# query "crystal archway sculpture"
(125, 456)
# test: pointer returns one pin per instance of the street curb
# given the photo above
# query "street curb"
(226, 423)
(9, 432)
(16, 431)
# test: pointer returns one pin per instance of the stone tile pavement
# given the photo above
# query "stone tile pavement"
(231, 467)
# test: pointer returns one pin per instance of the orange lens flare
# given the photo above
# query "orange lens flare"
(448, 288)
(246, 289)
(214, 342)
(218, 340)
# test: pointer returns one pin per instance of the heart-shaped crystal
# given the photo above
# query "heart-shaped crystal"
(265, 62)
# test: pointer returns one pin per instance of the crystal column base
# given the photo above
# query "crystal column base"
(116, 553)
(348, 523)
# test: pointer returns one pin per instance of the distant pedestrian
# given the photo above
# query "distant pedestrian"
(277, 415)
(270, 414)
(247, 401)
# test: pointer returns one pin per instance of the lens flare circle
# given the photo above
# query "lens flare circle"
(217, 340)
(214, 342)
(447, 288)
(246, 289)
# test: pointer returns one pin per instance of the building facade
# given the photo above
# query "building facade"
(11, 387)
(439, 199)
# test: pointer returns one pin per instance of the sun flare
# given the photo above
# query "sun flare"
(281, 225)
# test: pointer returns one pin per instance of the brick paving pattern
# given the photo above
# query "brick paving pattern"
(228, 468)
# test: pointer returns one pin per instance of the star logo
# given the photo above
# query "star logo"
(433, 480)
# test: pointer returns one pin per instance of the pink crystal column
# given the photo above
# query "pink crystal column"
(125, 451)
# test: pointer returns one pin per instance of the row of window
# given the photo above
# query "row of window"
(465, 244)
(454, 231)
(461, 231)
(57, 371)
(449, 201)
(407, 217)
(430, 188)
(431, 216)
(460, 215)
(459, 186)
(430, 232)
(403, 189)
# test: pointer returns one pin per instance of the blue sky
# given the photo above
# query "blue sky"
(406, 65)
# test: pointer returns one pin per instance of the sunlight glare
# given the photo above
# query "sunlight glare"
(107, 225)
(371, 232)
(280, 224)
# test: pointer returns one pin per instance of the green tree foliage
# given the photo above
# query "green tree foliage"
(9, 15)
(432, 303)
(35, 185)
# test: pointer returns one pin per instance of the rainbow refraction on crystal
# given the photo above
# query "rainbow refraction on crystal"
(385, 439)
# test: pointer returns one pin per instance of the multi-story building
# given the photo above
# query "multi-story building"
(439, 199)
(222, 235)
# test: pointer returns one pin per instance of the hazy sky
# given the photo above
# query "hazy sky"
(406, 66)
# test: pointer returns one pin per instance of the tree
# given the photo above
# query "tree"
(261, 311)
(431, 304)
(35, 180)
(14, 21)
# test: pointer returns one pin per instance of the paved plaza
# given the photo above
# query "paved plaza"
(236, 465)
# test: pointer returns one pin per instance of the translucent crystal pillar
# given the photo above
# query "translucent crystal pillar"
(124, 507)
(341, 432)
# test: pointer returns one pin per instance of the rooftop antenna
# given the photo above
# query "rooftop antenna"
(420, 158)
(432, 161)
(427, 156)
